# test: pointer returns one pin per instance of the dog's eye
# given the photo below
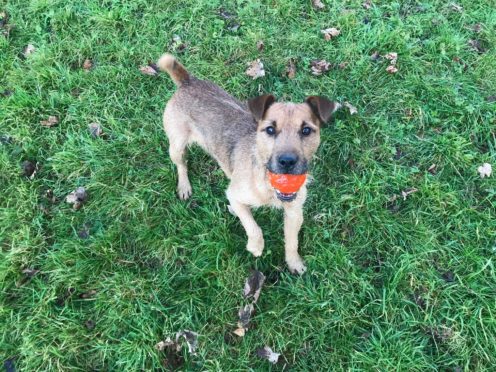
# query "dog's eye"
(306, 131)
(270, 130)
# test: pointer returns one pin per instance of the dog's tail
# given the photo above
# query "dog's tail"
(168, 63)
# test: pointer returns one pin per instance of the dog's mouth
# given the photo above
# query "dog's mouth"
(286, 197)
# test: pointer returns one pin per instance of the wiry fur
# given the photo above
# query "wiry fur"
(201, 112)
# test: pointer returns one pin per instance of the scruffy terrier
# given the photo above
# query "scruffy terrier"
(249, 141)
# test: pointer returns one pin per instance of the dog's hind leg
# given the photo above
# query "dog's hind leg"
(178, 134)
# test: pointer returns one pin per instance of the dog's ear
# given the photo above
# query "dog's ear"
(259, 105)
(322, 107)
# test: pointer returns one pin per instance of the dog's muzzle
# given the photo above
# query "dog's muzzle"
(286, 197)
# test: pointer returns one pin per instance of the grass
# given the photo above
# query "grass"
(402, 285)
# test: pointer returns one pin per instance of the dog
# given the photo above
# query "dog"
(247, 140)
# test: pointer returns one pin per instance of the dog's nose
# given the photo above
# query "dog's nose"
(287, 161)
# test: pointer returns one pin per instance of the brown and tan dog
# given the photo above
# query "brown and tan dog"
(247, 140)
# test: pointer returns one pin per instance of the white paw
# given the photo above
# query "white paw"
(184, 190)
(296, 265)
(255, 246)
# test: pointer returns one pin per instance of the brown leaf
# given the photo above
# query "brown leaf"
(77, 198)
(318, 5)
(353, 110)
(432, 169)
(191, 339)
(375, 56)
(148, 70)
(477, 28)
(408, 191)
(29, 49)
(255, 69)
(260, 45)
(90, 324)
(343, 65)
(52, 120)
(88, 64)
(29, 272)
(476, 45)
(245, 314)
(392, 69)
(240, 332)
(29, 168)
(392, 57)
(95, 130)
(291, 69)
(160, 346)
(330, 33)
(91, 293)
(320, 67)
(367, 4)
(253, 285)
(267, 353)
(456, 7)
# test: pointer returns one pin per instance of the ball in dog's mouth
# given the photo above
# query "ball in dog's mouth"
(286, 185)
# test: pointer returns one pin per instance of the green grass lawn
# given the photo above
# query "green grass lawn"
(393, 283)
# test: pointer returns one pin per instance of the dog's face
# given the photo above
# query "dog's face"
(288, 134)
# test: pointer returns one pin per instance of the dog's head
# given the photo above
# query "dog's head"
(288, 134)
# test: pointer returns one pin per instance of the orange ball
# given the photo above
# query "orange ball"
(287, 183)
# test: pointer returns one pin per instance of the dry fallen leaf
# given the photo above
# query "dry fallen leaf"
(253, 285)
(392, 57)
(30, 49)
(476, 45)
(30, 272)
(329, 33)
(456, 7)
(317, 4)
(367, 4)
(404, 194)
(267, 353)
(408, 191)
(353, 110)
(148, 70)
(343, 65)
(244, 314)
(163, 344)
(88, 64)
(291, 69)
(485, 170)
(240, 332)
(392, 69)
(260, 45)
(191, 339)
(52, 120)
(477, 28)
(432, 169)
(77, 197)
(375, 56)
(320, 66)
(91, 293)
(95, 130)
(29, 169)
(255, 69)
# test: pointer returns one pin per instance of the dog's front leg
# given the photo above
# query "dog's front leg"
(293, 218)
(255, 243)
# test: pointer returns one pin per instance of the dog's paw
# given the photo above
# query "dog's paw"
(296, 265)
(184, 191)
(255, 246)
